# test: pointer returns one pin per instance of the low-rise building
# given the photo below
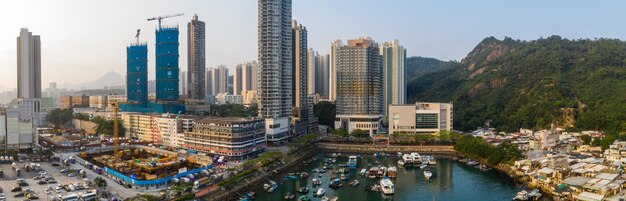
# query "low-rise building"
(422, 117)
(224, 98)
(249, 97)
(166, 129)
(98, 101)
(232, 137)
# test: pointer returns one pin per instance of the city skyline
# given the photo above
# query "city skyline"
(444, 34)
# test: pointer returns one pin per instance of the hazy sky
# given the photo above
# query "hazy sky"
(83, 39)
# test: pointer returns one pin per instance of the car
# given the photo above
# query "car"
(64, 170)
(22, 184)
(55, 165)
(57, 190)
(2, 198)
(19, 194)
(47, 191)
(36, 178)
(16, 189)
(43, 173)
(71, 175)
(52, 181)
(42, 182)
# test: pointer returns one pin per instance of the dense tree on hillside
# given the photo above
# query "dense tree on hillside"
(325, 111)
(511, 84)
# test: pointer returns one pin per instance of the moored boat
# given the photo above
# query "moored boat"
(320, 192)
(271, 186)
(522, 195)
(363, 172)
(335, 184)
(428, 174)
(401, 163)
(316, 182)
(382, 172)
(304, 198)
(303, 190)
(352, 162)
(354, 183)
(386, 186)
(372, 172)
(392, 172)
(289, 196)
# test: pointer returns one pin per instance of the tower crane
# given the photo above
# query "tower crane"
(159, 18)
(115, 130)
(137, 35)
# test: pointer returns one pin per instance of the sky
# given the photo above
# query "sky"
(84, 39)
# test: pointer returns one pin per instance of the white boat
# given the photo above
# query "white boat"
(354, 183)
(382, 172)
(363, 172)
(372, 173)
(325, 199)
(271, 186)
(417, 158)
(407, 159)
(401, 163)
(428, 174)
(399, 154)
(386, 186)
(320, 192)
(317, 182)
(392, 172)
(423, 166)
(522, 195)
(432, 161)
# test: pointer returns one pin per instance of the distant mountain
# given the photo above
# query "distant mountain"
(509, 84)
(109, 79)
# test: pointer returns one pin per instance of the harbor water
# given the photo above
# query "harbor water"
(451, 181)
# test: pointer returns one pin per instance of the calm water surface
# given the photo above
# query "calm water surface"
(451, 181)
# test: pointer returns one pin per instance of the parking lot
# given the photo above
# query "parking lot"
(9, 181)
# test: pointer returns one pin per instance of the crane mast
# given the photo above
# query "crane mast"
(160, 18)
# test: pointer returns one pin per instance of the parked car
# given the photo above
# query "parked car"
(16, 189)
(52, 181)
(19, 194)
(42, 182)
(71, 175)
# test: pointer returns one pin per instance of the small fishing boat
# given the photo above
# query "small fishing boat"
(335, 184)
(363, 172)
(401, 163)
(352, 162)
(392, 172)
(271, 186)
(373, 188)
(422, 166)
(320, 192)
(354, 183)
(289, 196)
(399, 154)
(428, 174)
(343, 177)
(303, 190)
(304, 175)
(522, 195)
(386, 186)
(304, 198)
(382, 172)
(316, 182)
(325, 198)
(372, 172)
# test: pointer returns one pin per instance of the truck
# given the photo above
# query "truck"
(185, 180)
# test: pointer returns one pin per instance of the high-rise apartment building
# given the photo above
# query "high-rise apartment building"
(196, 59)
(311, 71)
(182, 84)
(299, 72)
(332, 73)
(393, 61)
(167, 65)
(218, 80)
(209, 82)
(238, 79)
(137, 74)
(275, 63)
(250, 76)
(28, 65)
(322, 74)
(359, 86)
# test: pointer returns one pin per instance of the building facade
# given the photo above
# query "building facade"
(218, 79)
(137, 74)
(225, 98)
(250, 76)
(28, 65)
(393, 60)
(234, 138)
(166, 129)
(421, 117)
(249, 97)
(167, 69)
(332, 71)
(274, 68)
(311, 71)
(322, 74)
(196, 59)
(359, 86)
(98, 101)
(238, 79)
(299, 71)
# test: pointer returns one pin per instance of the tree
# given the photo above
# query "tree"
(607, 141)
(360, 133)
(586, 139)
(325, 111)
(100, 182)
(106, 126)
(596, 142)
(339, 132)
(59, 117)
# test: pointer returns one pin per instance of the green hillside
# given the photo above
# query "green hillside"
(508, 84)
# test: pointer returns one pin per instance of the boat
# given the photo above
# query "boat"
(289, 196)
(401, 163)
(363, 172)
(335, 184)
(334, 198)
(271, 186)
(399, 154)
(407, 159)
(324, 167)
(373, 188)
(386, 186)
(534, 194)
(316, 182)
(422, 166)
(392, 172)
(304, 175)
(303, 190)
(428, 174)
(522, 195)
(382, 172)
(352, 162)
(325, 198)
(432, 161)
(334, 155)
(372, 173)
(343, 177)
(417, 159)
(320, 192)
(334, 160)
(354, 183)
(287, 177)
(304, 198)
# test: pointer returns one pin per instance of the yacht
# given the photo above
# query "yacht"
(400, 163)
(417, 159)
(363, 172)
(352, 162)
(392, 172)
(407, 159)
(428, 174)
(320, 192)
(386, 186)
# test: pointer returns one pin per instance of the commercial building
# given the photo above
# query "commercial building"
(422, 117)
(17, 130)
(300, 115)
(137, 74)
(359, 86)
(275, 63)
(393, 60)
(232, 137)
(28, 65)
(332, 72)
(167, 65)
(225, 98)
(196, 59)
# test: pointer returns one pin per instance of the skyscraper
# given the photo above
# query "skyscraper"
(393, 62)
(137, 74)
(196, 59)
(274, 57)
(182, 84)
(250, 76)
(209, 82)
(332, 73)
(238, 79)
(359, 86)
(28, 65)
(311, 68)
(299, 72)
(167, 65)
(321, 74)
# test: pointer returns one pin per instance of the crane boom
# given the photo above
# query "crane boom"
(159, 18)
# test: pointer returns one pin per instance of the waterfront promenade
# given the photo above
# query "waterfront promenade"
(369, 148)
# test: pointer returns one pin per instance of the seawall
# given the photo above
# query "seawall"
(352, 148)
